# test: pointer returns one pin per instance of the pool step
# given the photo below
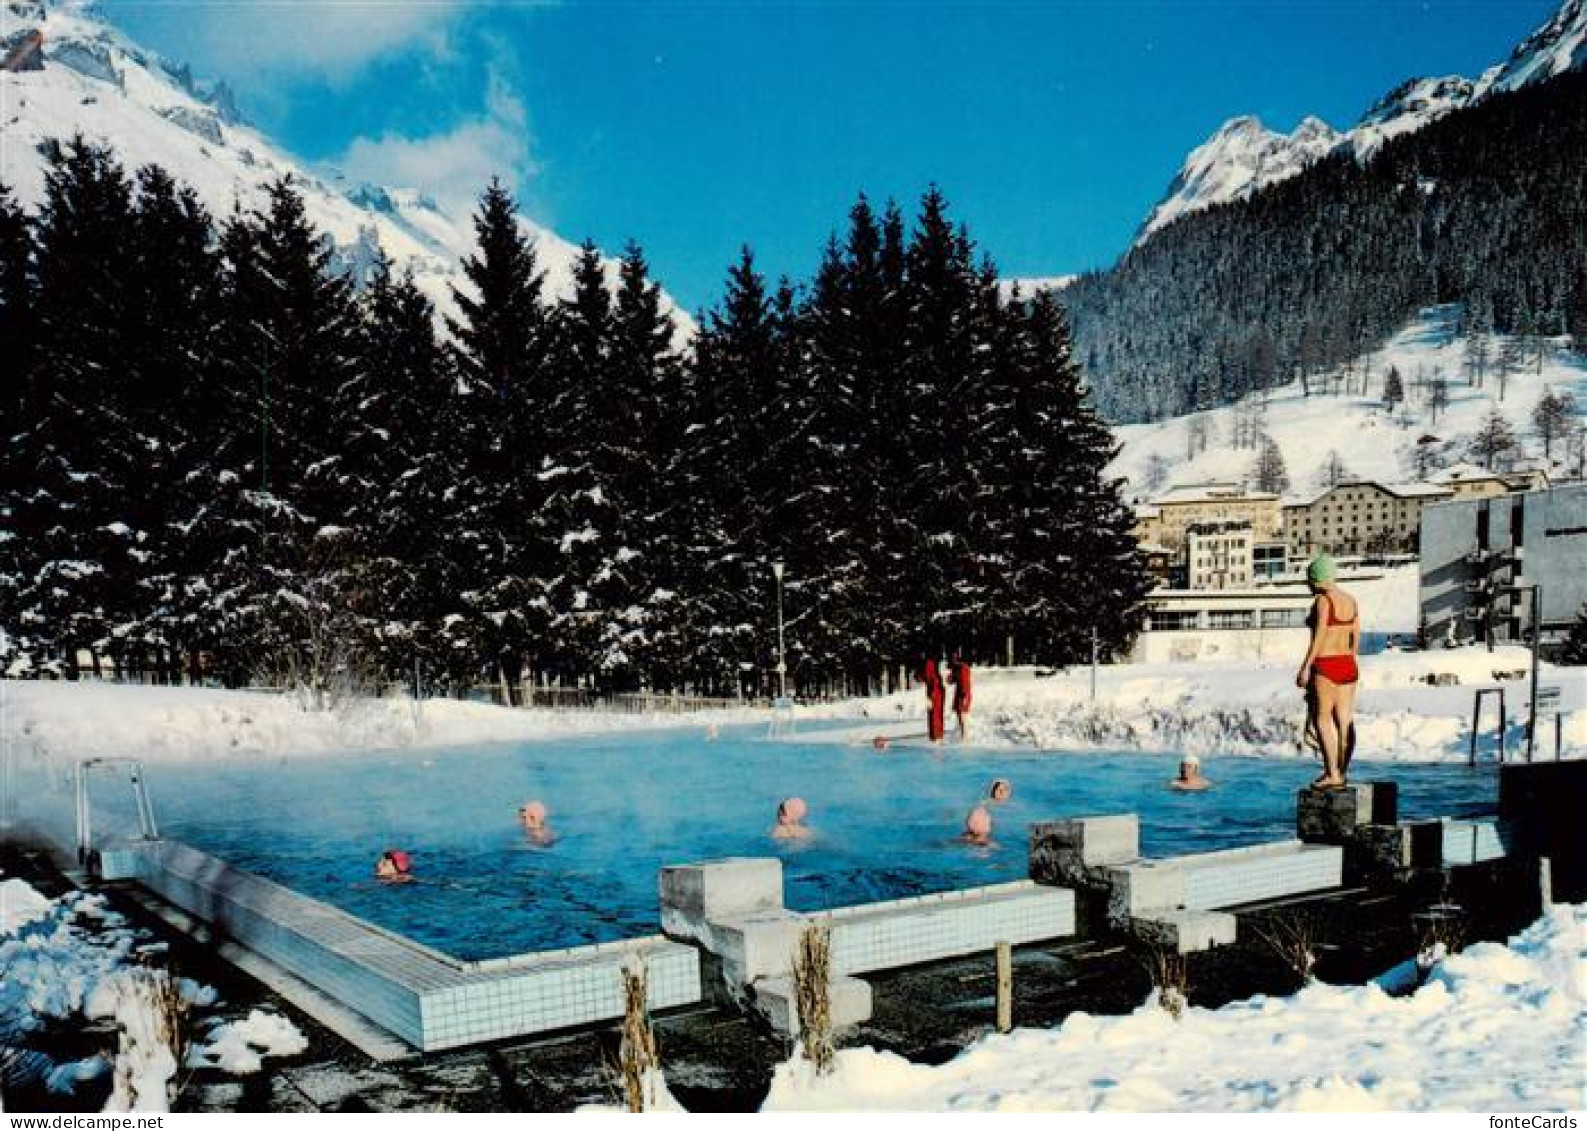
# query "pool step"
(848, 1002)
(734, 909)
(1177, 901)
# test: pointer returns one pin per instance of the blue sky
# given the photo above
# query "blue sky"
(693, 127)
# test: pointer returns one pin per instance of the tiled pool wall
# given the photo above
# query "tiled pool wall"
(734, 911)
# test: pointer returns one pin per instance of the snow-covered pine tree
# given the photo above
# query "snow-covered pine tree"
(80, 462)
(945, 373)
(502, 349)
(1393, 389)
(293, 342)
(1331, 472)
(838, 488)
(1269, 472)
(583, 506)
(1553, 416)
(739, 354)
(18, 311)
(1494, 443)
(1080, 558)
(403, 447)
(645, 638)
(174, 297)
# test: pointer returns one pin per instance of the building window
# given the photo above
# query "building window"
(1230, 618)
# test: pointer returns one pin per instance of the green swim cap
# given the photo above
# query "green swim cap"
(1321, 569)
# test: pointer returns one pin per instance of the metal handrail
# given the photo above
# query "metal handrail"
(148, 829)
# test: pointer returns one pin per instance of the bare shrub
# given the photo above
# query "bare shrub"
(1292, 937)
(812, 978)
(1170, 972)
(638, 1060)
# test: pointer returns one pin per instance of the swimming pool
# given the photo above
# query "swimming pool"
(625, 805)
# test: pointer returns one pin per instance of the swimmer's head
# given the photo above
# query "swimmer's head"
(533, 814)
(1322, 570)
(1189, 767)
(394, 862)
(791, 811)
(978, 825)
(1001, 790)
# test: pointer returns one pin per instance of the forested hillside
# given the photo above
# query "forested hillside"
(1486, 207)
(222, 460)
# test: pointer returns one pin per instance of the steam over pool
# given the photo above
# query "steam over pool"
(624, 805)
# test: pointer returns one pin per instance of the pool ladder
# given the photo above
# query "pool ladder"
(147, 829)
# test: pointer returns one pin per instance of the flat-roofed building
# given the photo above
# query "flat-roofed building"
(1218, 555)
(1188, 625)
(1480, 556)
(1167, 518)
(1359, 517)
(1468, 481)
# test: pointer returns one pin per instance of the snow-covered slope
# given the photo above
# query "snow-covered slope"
(84, 77)
(1244, 155)
(1372, 441)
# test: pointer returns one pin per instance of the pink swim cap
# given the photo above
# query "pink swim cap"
(533, 810)
(793, 808)
(979, 822)
(400, 860)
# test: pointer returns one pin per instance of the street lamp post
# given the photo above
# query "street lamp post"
(782, 658)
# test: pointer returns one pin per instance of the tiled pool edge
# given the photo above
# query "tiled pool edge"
(425, 998)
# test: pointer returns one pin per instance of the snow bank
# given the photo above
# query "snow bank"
(164, 724)
(239, 1047)
(1496, 1028)
(1238, 708)
(55, 953)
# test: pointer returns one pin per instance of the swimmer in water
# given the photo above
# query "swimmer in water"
(789, 815)
(1002, 789)
(978, 827)
(1190, 779)
(394, 867)
(536, 822)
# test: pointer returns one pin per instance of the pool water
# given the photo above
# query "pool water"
(623, 806)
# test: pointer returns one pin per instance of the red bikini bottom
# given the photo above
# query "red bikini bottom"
(1336, 669)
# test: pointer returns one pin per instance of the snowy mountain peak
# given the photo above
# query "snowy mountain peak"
(1244, 156)
(1558, 46)
(68, 72)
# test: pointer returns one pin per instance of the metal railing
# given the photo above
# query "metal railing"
(147, 828)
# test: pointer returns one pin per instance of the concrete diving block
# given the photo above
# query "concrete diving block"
(1073, 852)
(849, 1002)
(734, 910)
(1332, 816)
(1472, 842)
(928, 928)
(1214, 880)
(1184, 931)
(123, 859)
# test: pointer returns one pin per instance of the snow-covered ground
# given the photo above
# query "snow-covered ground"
(1208, 708)
(1494, 1028)
(88, 720)
(71, 961)
(1196, 707)
(1372, 442)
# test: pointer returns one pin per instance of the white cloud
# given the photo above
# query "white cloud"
(454, 164)
(325, 39)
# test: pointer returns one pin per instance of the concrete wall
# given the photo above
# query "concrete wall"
(1553, 548)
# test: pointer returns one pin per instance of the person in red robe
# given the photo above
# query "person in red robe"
(936, 700)
(960, 672)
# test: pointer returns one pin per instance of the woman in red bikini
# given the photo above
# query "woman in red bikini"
(1329, 673)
